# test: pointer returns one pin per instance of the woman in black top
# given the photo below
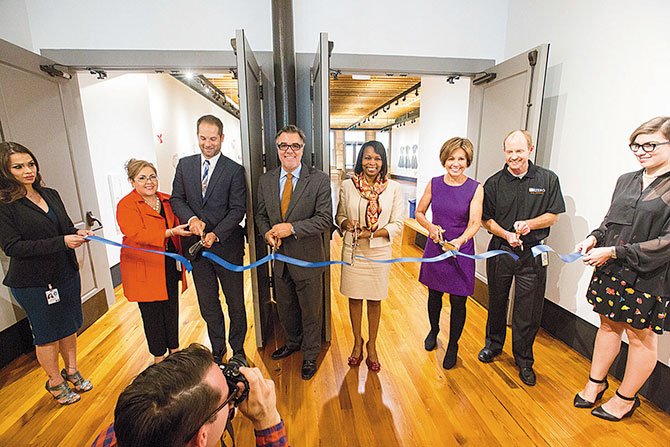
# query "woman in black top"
(39, 238)
(630, 287)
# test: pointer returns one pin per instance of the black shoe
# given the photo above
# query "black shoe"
(487, 355)
(308, 369)
(527, 376)
(219, 358)
(240, 359)
(430, 342)
(283, 352)
(602, 414)
(580, 402)
(450, 357)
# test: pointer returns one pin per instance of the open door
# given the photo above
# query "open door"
(320, 100)
(250, 87)
(508, 97)
(43, 112)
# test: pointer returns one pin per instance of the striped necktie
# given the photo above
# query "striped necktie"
(286, 194)
(205, 178)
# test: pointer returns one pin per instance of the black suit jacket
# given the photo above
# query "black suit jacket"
(35, 244)
(222, 209)
(310, 211)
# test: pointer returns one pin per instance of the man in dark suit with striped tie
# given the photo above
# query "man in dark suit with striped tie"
(209, 192)
(293, 211)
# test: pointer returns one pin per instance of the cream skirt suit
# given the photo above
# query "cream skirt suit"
(365, 279)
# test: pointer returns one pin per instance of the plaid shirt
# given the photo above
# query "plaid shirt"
(270, 437)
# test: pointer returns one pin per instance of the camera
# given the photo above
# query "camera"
(231, 371)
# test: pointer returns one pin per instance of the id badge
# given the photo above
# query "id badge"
(52, 296)
(544, 256)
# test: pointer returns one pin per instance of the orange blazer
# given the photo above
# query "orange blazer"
(143, 274)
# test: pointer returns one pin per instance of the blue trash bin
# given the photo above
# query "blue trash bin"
(412, 208)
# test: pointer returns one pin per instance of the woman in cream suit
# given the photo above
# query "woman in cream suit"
(370, 214)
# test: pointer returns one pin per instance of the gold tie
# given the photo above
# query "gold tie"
(286, 195)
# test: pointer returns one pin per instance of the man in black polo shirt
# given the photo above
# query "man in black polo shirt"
(521, 202)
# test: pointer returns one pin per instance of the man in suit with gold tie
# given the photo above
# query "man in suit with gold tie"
(294, 209)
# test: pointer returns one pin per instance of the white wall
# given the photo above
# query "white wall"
(14, 23)
(118, 125)
(426, 27)
(123, 115)
(607, 73)
(175, 109)
(444, 114)
(407, 135)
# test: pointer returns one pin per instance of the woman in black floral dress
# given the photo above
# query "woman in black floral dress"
(630, 288)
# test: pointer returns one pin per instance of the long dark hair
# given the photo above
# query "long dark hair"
(11, 189)
(379, 150)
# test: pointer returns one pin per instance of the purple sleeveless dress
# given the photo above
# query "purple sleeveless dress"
(451, 211)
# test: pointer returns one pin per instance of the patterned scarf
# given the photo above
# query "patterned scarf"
(371, 194)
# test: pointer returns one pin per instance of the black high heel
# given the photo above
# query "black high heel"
(580, 402)
(602, 414)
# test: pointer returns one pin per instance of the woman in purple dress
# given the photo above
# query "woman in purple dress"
(456, 204)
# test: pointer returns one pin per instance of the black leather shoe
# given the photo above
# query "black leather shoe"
(527, 376)
(219, 358)
(487, 355)
(430, 342)
(283, 352)
(580, 402)
(240, 359)
(602, 414)
(308, 369)
(450, 357)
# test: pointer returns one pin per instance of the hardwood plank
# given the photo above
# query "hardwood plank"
(412, 401)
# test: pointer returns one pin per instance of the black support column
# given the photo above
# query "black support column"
(284, 62)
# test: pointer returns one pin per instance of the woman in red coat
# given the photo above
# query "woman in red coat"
(152, 280)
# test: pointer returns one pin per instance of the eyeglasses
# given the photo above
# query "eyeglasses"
(647, 147)
(295, 146)
(231, 397)
(143, 179)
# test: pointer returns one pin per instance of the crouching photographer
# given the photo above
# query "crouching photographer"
(188, 400)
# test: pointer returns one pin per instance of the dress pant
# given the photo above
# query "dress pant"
(300, 308)
(530, 277)
(207, 276)
(161, 318)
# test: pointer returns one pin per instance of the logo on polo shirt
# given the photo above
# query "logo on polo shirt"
(536, 190)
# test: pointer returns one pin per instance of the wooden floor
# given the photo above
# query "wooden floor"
(411, 402)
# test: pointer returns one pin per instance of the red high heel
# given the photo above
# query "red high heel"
(372, 365)
(355, 361)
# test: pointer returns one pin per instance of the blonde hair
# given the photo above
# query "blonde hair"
(452, 145)
(525, 133)
(134, 166)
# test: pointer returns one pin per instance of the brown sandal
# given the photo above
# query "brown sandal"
(65, 394)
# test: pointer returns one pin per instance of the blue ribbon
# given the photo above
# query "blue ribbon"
(185, 262)
(448, 254)
(571, 257)
(271, 257)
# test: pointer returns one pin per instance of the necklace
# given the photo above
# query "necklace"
(156, 205)
(33, 196)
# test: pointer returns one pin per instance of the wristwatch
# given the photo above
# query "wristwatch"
(613, 253)
(293, 231)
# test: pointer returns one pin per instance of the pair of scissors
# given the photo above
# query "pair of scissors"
(446, 246)
(354, 244)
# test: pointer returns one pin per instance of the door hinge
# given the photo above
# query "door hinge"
(313, 159)
(260, 92)
(311, 92)
(265, 161)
